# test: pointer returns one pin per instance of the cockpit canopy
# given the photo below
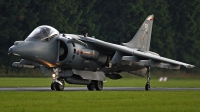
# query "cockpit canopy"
(44, 33)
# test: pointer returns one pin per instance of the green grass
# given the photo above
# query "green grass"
(124, 82)
(100, 101)
(103, 101)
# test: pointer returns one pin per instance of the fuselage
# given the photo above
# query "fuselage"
(69, 51)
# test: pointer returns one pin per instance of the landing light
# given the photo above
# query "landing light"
(53, 76)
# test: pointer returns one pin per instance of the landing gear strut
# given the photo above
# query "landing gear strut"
(98, 85)
(147, 86)
(58, 83)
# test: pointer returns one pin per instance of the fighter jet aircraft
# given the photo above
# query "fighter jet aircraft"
(79, 59)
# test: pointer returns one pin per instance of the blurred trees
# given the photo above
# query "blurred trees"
(12, 25)
(175, 31)
(186, 21)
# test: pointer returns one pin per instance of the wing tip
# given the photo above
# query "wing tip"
(190, 66)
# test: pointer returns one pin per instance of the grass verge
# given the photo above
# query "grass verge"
(103, 101)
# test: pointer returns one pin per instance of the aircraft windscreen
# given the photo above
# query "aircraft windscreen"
(43, 33)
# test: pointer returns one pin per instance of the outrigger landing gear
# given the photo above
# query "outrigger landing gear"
(147, 86)
(98, 85)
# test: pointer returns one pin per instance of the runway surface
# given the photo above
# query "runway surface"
(104, 89)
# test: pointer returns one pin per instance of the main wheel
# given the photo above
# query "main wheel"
(98, 85)
(60, 87)
(147, 87)
(90, 87)
(53, 86)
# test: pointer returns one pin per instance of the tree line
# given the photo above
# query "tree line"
(175, 31)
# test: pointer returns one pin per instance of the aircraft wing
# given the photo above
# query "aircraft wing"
(157, 58)
(145, 58)
(137, 49)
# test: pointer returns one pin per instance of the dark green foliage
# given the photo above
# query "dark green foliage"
(175, 31)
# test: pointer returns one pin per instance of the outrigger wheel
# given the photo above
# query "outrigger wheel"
(147, 87)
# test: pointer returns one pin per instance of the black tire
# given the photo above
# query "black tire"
(60, 87)
(98, 85)
(147, 87)
(90, 87)
(53, 86)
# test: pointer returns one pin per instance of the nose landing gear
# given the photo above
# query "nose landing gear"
(58, 83)
(53, 86)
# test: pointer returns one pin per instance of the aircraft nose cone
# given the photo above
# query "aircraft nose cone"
(10, 50)
(24, 49)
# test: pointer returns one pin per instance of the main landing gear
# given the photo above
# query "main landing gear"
(147, 86)
(98, 85)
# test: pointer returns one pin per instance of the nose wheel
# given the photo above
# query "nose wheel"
(58, 85)
(53, 86)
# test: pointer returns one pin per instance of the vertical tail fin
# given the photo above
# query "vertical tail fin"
(142, 38)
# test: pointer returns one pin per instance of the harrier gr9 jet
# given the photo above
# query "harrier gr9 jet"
(78, 59)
